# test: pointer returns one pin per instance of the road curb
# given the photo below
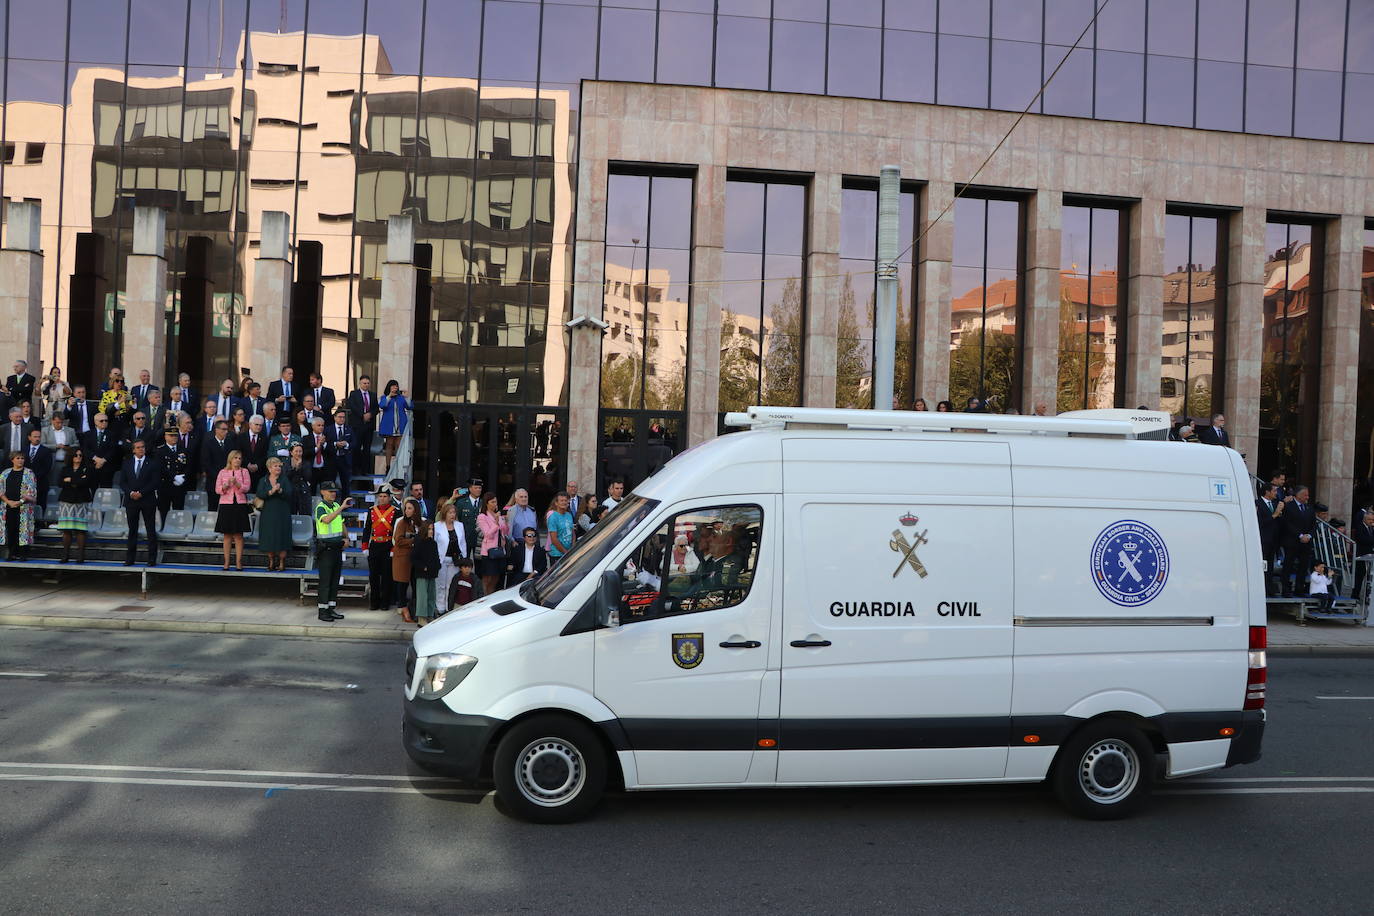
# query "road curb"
(203, 626)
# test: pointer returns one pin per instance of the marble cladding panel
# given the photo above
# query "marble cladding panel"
(269, 325)
(145, 325)
(21, 304)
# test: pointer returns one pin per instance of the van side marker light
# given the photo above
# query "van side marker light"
(768, 742)
(1031, 739)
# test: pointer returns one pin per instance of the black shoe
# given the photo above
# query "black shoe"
(326, 617)
(334, 615)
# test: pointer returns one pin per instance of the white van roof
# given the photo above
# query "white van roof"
(1104, 424)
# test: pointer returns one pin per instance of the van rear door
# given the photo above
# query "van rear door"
(897, 610)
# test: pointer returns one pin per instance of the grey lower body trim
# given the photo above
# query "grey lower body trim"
(1112, 621)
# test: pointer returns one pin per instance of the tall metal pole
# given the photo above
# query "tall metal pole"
(885, 301)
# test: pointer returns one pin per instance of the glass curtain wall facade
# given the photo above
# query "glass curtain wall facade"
(858, 267)
(986, 282)
(1194, 308)
(763, 292)
(1090, 308)
(1289, 372)
(1364, 402)
(463, 113)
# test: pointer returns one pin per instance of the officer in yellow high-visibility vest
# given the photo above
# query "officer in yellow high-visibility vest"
(329, 544)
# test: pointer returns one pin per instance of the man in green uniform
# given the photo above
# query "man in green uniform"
(329, 544)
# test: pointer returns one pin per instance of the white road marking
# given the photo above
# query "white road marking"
(20, 674)
(1212, 782)
(233, 784)
(1345, 698)
(192, 771)
(1272, 790)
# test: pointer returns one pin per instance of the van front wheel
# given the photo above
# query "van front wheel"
(1104, 771)
(550, 769)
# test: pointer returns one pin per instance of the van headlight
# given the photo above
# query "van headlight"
(442, 673)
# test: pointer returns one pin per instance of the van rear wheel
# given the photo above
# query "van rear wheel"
(550, 769)
(1104, 771)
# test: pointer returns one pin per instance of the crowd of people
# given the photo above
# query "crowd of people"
(246, 449)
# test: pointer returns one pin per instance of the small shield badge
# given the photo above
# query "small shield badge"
(688, 649)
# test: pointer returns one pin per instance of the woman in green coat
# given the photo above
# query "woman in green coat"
(274, 525)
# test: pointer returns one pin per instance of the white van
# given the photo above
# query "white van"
(852, 598)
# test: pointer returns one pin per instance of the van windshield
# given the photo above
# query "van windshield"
(550, 588)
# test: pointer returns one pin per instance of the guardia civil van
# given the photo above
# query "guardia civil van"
(865, 598)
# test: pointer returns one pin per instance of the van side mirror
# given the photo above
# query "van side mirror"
(608, 594)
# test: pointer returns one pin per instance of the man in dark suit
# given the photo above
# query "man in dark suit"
(158, 417)
(1216, 433)
(139, 480)
(320, 455)
(341, 439)
(214, 456)
(80, 412)
(253, 444)
(38, 458)
(16, 434)
(188, 441)
(256, 400)
(226, 402)
(526, 559)
(141, 431)
(139, 393)
(102, 450)
(1299, 532)
(20, 385)
(284, 392)
(1269, 512)
(324, 397)
(177, 402)
(209, 416)
(1363, 533)
(188, 394)
(362, 417)
(312, 410)
(176, 474)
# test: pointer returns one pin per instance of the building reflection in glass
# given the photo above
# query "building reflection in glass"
(1089, 308)
(1364, 401)
(1194, 317)
(1289, 371)
(984, 347)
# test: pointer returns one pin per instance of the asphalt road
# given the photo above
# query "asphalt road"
(144, 773)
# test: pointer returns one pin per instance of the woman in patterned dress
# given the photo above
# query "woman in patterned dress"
(77, 482)
(19, 490)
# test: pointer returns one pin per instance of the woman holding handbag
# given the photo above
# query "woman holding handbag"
(402, 542)
(231, 483)
(453, 546)
(491, 552)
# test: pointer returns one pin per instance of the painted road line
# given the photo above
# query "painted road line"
(1271, 790)
(1231, 779)
(20, 674)
(193, 771)
(1345, 698)
(234, 784)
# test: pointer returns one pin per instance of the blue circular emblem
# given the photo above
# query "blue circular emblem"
(1130, 563)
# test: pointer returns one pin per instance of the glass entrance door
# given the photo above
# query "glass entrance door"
(635, 443)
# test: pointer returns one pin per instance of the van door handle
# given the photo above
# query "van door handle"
(742, 644)
(810, 643)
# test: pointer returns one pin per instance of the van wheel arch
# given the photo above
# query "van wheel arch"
(615, 776)
(1131, 746)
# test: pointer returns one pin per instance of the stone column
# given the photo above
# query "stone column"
(703, 346)
(584, 344)
(21, 285)
(396, 312)
(935, 253)
(1144, 306)
(1340, 351)
(1040, 336)
(821, 328)
(145, 309)
(271, 296)
(1244, 330)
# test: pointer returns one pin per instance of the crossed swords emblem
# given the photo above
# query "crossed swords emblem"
(908, 552)
(1127, 563)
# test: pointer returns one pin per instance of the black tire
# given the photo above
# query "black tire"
(1104, 771)
(550, 769)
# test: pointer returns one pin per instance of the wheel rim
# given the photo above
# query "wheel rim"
(1109, 771)
(550, 772)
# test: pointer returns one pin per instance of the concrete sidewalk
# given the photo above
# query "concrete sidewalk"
(273, 608)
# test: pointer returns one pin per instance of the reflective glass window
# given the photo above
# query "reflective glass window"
(1364, 398)
(398, 24)
(1289, 376)
(1015, 74)
(1321, 34)
(1169, 91)
(1120, 86)
(1272, 26)
(798, 49)
(1090, 314)
(1359, 107)
(684, 48)
(1221, 30)
(763, 295)
(965, 17)
(507, 51)
(854, 57)
(908, 66)
(627, 44)
(38, 29)
(1121, 26)
(1172, 27)
(742, 53)
(857, 12)
(569, 43)
(963, 76)
(452, 44)
(1269, 100)
(912, 15)
(985, 312)
(97, 29)
(1070, 91)
(1065, 21)
(1317, 104)
(1219, 95)
(1194, 316)
(646, 301)
(1016, 20)
(1359, 37)
(804, 10)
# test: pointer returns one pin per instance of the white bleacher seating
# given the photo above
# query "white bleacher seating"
(52, 495)
(107, 498)
(204, 529)
(302, 529)
(197, 501)
(113, 525)
(251, 535)
(178, 525)
(48, 515)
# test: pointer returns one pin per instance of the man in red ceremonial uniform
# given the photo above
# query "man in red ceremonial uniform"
(381, 519)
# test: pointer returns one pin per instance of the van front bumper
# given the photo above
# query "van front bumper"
(438, 738)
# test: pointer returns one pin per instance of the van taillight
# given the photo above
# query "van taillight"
(1257, 675)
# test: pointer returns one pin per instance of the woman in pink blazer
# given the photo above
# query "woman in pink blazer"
(232, 521)
(494, 534)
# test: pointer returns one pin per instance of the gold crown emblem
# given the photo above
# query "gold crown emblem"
(908, 520)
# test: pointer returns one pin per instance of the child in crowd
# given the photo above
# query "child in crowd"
(1320, 586)
(460, 592)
